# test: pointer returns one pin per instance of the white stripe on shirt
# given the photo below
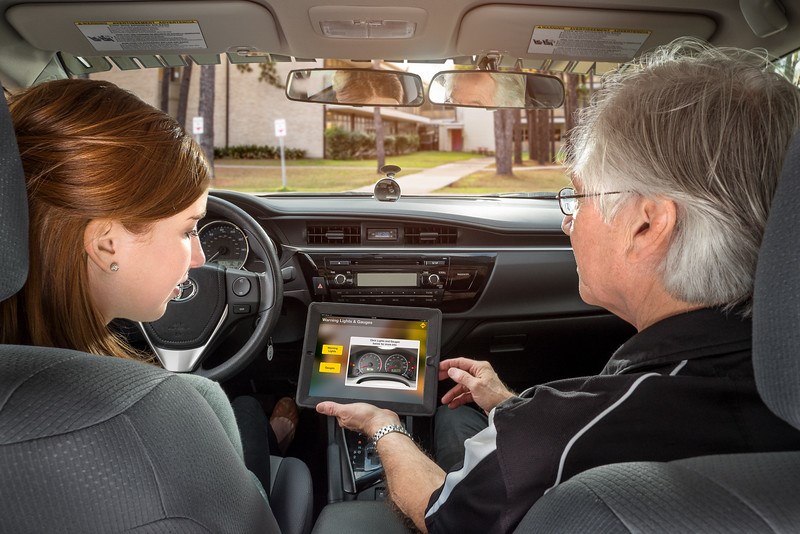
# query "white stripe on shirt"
(593, 422)
(678, 368)
(476, 449)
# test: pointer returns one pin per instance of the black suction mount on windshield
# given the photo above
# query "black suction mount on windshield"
(387, 189)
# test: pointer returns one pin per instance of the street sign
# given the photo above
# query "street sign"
(197, 125)
(280, 127)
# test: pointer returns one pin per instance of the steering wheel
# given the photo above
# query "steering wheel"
(213, 300)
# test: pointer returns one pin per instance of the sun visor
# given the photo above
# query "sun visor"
(566, 34)
(121, 29)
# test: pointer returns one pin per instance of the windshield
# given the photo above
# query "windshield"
(262, 142)
(265, 143)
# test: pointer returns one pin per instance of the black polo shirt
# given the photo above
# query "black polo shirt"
(682, 387)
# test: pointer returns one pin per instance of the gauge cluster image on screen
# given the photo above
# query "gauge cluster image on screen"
(383, 363)
(368, 359)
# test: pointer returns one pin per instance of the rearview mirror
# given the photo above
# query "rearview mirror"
(360, 87)
(491, 89)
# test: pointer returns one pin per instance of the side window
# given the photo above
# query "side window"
(790, 66)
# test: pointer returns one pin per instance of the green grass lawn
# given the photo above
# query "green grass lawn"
(484, 182)
(267, 179)
(322, 176)
(417, 160)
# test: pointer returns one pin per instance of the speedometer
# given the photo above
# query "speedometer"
(224, 243)
(369, 363)
(396, 364)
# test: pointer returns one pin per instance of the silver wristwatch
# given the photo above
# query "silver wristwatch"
(388, 429)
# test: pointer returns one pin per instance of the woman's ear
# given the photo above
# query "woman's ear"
(99, 242)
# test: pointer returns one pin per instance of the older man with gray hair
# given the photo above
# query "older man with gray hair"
(674, 165)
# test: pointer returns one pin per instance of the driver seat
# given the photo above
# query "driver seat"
(100, 444)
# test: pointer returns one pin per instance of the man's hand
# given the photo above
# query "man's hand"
(475, 381)
(361, 417)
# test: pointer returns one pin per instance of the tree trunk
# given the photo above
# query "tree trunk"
(517, 132)
(206, 110)
(380, 152)
(166, 78)
(183, 95)
(533, 152)
(571, 101)
(542, 135)
(380, 149)
(503, 141)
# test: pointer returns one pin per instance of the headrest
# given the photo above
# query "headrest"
(13, 210)
(776, 297)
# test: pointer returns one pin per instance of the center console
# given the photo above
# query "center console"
(450, 282)
(355, 458)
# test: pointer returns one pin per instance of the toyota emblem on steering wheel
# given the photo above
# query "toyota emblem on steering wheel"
(188, 291)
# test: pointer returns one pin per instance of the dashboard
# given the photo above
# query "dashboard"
(500, 269)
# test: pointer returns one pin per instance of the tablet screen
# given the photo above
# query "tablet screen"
(384, 355)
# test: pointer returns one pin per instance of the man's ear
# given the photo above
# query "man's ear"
(99, 242)
(652, 227)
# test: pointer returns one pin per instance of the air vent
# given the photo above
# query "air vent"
(430, 235)
(333, 235)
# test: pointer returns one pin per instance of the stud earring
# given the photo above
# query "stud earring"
(114, 267)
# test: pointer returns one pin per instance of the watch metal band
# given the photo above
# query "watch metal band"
(388, 429)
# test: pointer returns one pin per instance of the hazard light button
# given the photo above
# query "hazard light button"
(320, 287)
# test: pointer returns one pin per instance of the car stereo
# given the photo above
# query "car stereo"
(450, 282)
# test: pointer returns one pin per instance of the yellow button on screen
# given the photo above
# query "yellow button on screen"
(326, 367)
(332, 349)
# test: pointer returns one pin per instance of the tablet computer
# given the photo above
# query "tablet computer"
(384, 355)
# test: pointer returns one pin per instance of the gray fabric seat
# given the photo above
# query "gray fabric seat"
(90, 444)
(96, 444)
(725, 493)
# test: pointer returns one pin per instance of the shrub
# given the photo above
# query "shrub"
(343, 144)
(405, 144)
(258, 152)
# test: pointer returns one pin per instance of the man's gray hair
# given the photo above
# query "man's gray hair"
(707, 128)
(509, 89)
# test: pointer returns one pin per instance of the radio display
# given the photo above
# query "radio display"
(386, 279)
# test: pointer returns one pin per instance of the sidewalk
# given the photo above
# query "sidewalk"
(435, 177)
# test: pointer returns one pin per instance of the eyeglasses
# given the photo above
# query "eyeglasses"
(568, 200)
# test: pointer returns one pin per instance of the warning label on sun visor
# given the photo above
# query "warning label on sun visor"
(602, 44)
(143, 35)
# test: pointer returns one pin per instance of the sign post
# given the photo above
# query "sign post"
(280, 133)
(197, 128)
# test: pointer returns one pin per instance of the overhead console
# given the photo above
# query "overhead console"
(450, 282)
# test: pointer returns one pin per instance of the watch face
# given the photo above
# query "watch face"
(387, 190)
